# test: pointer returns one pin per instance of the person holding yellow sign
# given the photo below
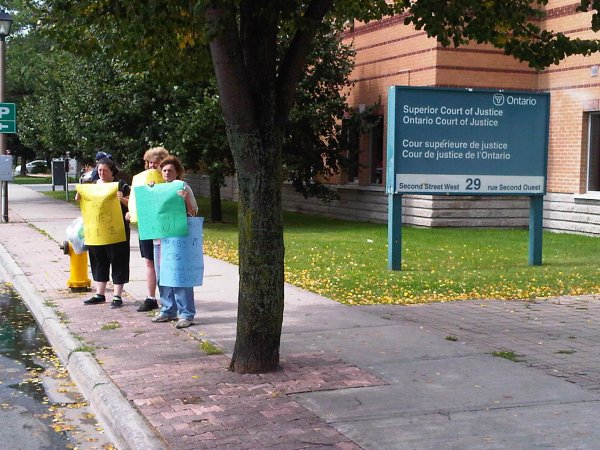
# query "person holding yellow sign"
(106, 232)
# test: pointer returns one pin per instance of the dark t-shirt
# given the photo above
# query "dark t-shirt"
(126, 190)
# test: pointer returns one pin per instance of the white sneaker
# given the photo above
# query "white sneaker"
(162, 318)
(184, 323)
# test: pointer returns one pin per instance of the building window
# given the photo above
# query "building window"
(350, 139)
(376, 152)
(362, 139)
(593, 176)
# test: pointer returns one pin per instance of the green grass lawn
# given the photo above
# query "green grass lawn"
(44, 179)
(60, 194)
(347, 261)
(32, 180)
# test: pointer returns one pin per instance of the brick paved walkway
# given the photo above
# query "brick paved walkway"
(193, 401)
(560, 336)
(190, 398)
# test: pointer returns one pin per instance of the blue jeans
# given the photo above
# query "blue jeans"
(175, 301)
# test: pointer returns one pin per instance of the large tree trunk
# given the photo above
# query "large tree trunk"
(247, 100)
(216, 213)
(261, 253)
(256, 94)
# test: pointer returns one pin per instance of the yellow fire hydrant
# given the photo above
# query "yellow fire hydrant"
(78, 279)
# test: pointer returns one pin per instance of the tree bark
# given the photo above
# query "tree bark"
(261, 257)
(256, 95)
(247, 102)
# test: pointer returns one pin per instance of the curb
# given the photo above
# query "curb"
(125, 425)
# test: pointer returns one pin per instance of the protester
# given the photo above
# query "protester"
(94, 176)
(176, 302)
(102, 257)
(152, 160)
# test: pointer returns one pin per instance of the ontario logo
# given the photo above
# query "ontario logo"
(498, 99)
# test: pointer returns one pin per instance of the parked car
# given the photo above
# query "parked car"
(36, 166)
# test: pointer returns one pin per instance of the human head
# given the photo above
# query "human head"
(154, 156)
(107, 164)
(177, 166)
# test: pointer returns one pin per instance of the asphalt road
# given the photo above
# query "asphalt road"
(40, 407)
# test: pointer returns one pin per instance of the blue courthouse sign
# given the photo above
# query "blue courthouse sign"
(466, 141)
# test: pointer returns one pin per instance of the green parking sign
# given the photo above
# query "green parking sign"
(8, 118)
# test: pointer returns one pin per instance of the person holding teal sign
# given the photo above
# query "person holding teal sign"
(161, 210)
(152, 160)
(177, 301)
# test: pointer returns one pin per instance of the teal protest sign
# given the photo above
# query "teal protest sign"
(161, 211)
(181, 258)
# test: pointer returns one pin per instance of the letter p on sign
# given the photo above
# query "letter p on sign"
(8, 118)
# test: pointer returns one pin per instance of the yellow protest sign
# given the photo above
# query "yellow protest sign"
(146, 177)
(101, 211)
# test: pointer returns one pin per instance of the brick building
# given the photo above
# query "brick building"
(391, 53)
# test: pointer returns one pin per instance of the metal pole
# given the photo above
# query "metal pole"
(2, 135)
(66, 167)
(536, 229)
(394, 231)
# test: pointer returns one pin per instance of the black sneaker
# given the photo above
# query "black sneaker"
(95, 300)
(117, 302)
(148, 305)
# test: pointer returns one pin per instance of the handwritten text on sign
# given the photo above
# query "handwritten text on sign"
(161, 211)
(101, 211)
(181, 258)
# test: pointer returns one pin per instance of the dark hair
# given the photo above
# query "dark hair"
(176, 164)
(111, 165)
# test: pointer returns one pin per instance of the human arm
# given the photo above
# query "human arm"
(191, 206)
(122, 198)
(123, 193)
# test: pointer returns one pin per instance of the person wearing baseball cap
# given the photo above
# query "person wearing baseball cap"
(100, 155)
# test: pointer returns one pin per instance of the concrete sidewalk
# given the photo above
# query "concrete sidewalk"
(384, 377)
